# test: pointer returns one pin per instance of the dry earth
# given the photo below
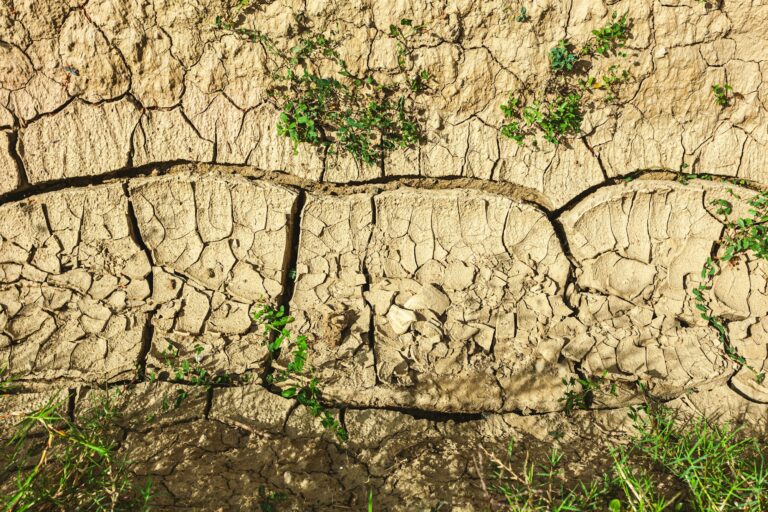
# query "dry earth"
(145, 198)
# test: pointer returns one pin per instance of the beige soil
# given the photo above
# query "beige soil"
(145, 198)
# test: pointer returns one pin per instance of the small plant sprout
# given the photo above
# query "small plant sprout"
(187, 371)
(296, 379)
(7, 383)
(268, 500)
(522, 15)
(745, 236)
(403, 34)
(420, 81)
(721, 92)
(583, 396)
(555, 120)
(610, 38)
(561, 58)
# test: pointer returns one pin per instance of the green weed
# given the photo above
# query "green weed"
(613, 80)
(581, 397)
(610, 38)
(721, 91)
(336, 110)
(721, 468)
(555, 119)
(403, 34)
(296, 379)
(187, 371)
(522, 15)
(556, 112)
(743, 236)
(64, 465)
(268, 500)
(561, 58)
(7, 381)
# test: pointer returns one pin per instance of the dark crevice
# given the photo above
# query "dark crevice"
(71, 399)
(343, 418)
(365, 289)
(290, 259)
(208, 402)
(86, 181)
(15, 150)
(416, 413)
(291, 256)
(423, 414)
(65, 104)
(742, 395)
(510, 190)
(146, 345)
(668, 175)
(596, 156)
(148, 331)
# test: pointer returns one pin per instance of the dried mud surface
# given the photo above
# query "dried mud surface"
(146, 199)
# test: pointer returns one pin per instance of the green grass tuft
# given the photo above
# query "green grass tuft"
(667, 465)
(58, 464)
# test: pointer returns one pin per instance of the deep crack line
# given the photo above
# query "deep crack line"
(147, 332)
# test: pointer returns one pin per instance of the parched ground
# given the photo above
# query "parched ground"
(146, 199)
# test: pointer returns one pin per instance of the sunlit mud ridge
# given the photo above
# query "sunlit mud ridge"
(452, 292)
(443, 300)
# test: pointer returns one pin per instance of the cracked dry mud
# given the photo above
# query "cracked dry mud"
(146, 199)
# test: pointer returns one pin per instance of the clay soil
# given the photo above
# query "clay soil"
(450, 292)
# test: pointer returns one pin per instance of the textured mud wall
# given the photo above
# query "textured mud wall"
(146, 199)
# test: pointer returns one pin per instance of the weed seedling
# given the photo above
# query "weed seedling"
(7, 383)
(403, 34)
(721, 91)
(555, 120)
(610, 38)
(268, 500)
(560, 57)
(295, 379)
(743, 236)
(187, 371)
(583, 397)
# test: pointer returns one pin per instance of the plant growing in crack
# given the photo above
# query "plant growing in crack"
(721, 92)
(744, 236)
(520, 14)
(189, 371)
(581, 397)
(555, 120)
(610, 39)
(324, 104)
(7, 381)
(561, 58)
(403, 34)
(556, 112)
(296, 379)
